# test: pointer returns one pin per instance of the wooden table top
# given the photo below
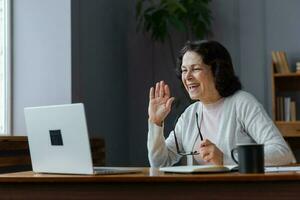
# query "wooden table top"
(149, 175)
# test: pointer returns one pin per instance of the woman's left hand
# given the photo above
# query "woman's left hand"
(210, 153)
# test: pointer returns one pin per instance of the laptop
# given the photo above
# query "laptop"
(59, 142)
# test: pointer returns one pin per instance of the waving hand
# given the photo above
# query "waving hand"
(159, 103)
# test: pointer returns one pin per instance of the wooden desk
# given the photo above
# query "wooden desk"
(151, 184)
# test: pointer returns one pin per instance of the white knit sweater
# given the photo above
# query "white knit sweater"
(243, 120)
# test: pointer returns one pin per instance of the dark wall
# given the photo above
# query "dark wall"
(99, 71)
(251, 30)
(283, 31)
(148, 63)
(240, 26)
(113, 68)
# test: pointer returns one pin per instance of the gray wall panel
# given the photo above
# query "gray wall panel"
(100, 60)
(41, 56)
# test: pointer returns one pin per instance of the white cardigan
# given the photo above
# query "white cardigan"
(243, 120)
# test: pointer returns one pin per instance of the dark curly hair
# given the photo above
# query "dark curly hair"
(215, 55)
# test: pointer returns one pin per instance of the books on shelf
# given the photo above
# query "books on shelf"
(293, 111)
(280, 62)
(280, 109)
(285, 109)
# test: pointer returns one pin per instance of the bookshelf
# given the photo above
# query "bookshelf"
(285, 85)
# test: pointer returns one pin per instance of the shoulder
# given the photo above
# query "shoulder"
(244, 103)
(191, 109)
(243, 98)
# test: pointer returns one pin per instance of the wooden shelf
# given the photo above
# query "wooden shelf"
(289, 129)
(281, 84)
(285, 82)
(289, 123)
(287, 75)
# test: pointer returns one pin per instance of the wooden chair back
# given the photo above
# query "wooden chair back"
(15, 155)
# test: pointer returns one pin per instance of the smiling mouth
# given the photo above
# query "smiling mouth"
(192, 87)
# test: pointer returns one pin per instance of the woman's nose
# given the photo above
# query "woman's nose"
(189, 74)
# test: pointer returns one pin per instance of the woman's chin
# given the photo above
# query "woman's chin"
(194, 97)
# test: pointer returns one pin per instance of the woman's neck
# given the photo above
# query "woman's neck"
(211, 99)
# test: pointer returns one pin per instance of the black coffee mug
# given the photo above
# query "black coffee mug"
(250, 158)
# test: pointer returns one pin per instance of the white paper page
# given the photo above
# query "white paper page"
(282, 169)
(198, 168)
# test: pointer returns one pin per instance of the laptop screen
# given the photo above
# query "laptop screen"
(58, 139)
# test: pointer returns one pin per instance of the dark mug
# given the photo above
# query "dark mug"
(250, 158)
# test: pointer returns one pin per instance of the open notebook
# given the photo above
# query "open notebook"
(200, 168)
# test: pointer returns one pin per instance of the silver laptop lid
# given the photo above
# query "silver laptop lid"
(58, 139)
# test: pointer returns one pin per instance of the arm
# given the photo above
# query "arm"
(160, 151)
(261, 128)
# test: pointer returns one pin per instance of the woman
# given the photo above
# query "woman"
(223, 116)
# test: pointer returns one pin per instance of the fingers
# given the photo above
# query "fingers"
(157, 90)
(151, 93)
(206, 154)
(169, 103)
(208, 158)
(205, 142)
(204, 151)
(161, 90)
(210, 153)
(167, 91)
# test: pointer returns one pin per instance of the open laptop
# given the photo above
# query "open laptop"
(59, 142)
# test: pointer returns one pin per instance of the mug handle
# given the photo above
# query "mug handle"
(232, 155)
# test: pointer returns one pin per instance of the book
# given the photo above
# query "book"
(281, 108)
(277, 109)
(293, 111)
(297, 67)
(284, 61)
(280, 62)
(276, 63)
(199, 168)
(287, 109)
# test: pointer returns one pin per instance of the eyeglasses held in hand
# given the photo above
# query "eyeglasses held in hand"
(182, 153)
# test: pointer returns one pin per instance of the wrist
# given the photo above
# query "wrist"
(156, 122)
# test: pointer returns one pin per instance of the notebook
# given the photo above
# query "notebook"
(59, 142)
(199, 168)
(282, 169)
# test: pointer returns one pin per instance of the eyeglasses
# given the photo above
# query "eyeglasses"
(182, 153)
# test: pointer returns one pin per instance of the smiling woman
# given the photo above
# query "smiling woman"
(5, 66)
(228, 116)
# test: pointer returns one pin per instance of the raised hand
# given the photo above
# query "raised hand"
(159, 103)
